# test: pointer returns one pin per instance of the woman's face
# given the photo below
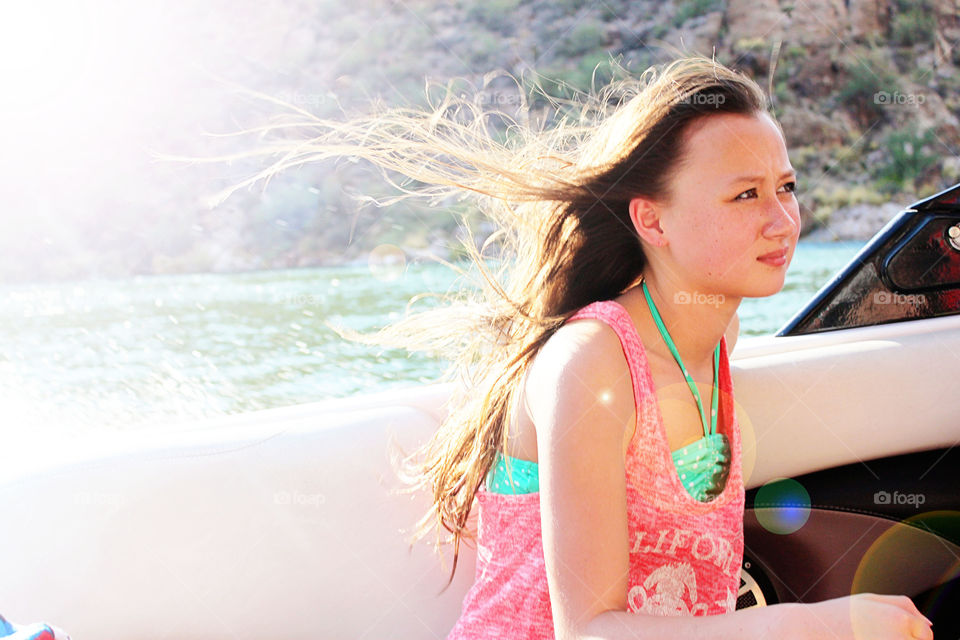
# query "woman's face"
(731, 204)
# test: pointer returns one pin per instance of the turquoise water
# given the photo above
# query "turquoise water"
(106, 355)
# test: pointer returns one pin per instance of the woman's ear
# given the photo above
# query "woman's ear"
(645, 216)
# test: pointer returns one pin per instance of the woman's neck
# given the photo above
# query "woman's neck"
(695, 320)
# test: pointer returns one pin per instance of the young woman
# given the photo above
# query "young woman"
(596, 439)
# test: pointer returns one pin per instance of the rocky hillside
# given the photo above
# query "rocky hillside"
(867, 91)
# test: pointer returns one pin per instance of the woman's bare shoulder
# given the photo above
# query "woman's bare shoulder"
(579, 342)
(579, 370)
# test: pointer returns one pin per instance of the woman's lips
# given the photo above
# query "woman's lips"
(775, 258)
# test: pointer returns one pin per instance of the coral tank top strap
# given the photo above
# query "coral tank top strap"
(649, 456)
(616, 316)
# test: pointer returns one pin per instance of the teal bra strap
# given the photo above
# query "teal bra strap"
(708, 428)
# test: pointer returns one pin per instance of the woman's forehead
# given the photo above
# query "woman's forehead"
(729, 144)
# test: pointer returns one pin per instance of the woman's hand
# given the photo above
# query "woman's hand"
(863, 616)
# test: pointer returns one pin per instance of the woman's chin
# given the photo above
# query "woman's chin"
(769, 291)
(766, 288)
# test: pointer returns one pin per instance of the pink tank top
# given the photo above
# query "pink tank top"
(685, 555)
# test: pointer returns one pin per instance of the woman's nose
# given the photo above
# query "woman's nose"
(783, 218)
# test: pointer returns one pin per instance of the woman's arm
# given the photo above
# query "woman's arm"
(581, 401)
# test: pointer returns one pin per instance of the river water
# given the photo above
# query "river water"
(98, 355)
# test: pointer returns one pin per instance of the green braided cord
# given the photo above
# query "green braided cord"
(708, 428)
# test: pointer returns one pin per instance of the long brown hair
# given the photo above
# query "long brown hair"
(559, 199)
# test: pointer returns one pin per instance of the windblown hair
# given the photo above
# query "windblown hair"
(559, 199)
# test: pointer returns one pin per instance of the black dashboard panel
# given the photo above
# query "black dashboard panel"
(903, 487)
(908, 271)
(889, 525)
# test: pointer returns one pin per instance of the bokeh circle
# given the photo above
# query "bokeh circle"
(782, 506)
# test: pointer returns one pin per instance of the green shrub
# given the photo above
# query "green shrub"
(687, 9)
(794, 52)
(485, 51)
(566, 82)
(609, 12)
(782, 92)
(908, 157)
(585, 37)
(824, 201)
(754, 45)
(570, 5)
(867, 78)
(496, 15)
(913, 24)
(659, 30)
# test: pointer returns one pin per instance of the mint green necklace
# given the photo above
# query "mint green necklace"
(703, 465)
(712, 426)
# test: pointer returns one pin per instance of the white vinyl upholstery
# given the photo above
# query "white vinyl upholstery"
(285, 524)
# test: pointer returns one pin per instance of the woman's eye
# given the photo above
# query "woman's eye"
(749, 193)
(790, 187)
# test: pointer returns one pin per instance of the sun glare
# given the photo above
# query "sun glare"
(85, 87)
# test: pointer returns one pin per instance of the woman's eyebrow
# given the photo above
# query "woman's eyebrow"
(759, 178)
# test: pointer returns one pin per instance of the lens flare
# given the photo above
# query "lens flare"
(914, 557)
(782, 506)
